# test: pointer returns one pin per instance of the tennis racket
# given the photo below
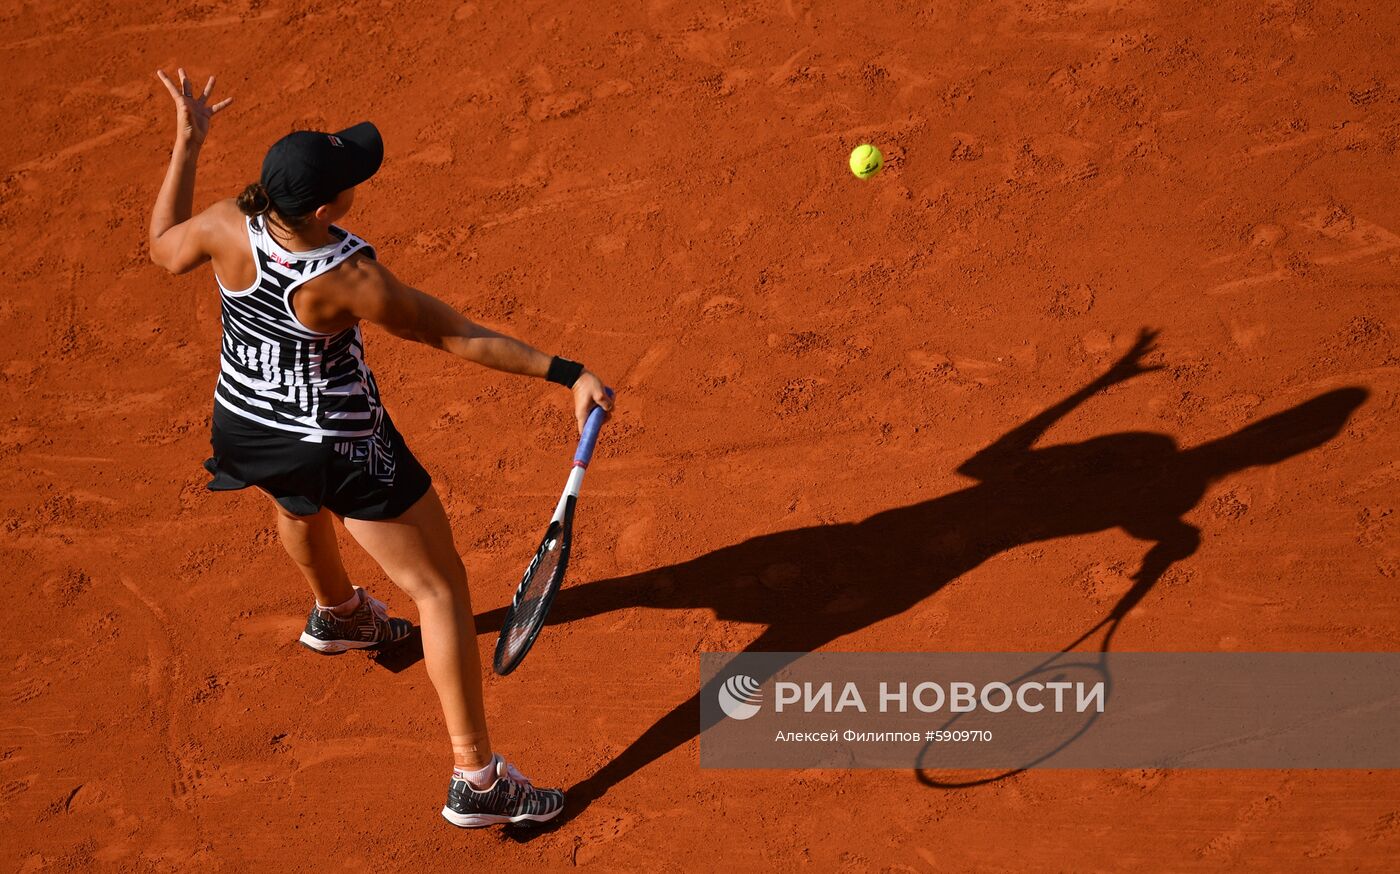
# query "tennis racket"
(525, 616)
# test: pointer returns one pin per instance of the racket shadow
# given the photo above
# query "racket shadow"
(809, 587)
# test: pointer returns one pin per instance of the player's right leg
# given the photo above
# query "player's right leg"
(345, 616)
(310, 542)
(417, 552)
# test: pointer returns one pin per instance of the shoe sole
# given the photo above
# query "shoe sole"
(481, 820)
(336, 647)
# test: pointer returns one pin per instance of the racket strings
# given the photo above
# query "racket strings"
(531, 602)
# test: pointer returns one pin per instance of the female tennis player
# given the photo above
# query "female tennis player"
(298, 415)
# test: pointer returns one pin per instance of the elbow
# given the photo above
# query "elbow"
(433, 341)
(404, 332)
(168, 263)
(979, 467)
(160, 258)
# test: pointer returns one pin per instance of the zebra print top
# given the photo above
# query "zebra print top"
(279, 373)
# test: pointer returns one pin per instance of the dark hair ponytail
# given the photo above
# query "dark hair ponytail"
(254, 201)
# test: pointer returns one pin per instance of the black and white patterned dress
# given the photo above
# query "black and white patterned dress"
(297, 411)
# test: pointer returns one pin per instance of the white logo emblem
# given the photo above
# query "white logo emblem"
(335, 140)
(740, 697)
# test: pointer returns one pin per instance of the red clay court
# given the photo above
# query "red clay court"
(661, 191)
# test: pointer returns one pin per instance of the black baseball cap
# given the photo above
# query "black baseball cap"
(306, 169)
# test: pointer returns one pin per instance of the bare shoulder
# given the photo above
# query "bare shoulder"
(225, 210)
(360, 275)
(356, 288)
(363, 267)
(222, 220)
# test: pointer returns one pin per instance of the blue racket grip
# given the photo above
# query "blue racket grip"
(591, 427)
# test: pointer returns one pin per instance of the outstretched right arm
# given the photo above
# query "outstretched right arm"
(365, 289)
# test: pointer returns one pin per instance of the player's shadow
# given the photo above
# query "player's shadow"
(811, 586)
(399, 657)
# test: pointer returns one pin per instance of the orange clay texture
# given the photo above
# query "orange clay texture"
(661, 190)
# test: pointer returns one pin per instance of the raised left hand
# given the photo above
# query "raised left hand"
(192, 113)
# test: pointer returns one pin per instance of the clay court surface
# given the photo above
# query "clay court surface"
(662, 193)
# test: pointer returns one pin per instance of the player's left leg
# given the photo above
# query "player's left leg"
(417, 552)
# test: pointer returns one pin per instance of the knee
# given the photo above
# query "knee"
(447, 583)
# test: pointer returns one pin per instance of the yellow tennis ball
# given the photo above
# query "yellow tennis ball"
(866, 161)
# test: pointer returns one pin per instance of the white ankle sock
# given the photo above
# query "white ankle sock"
(480, 778)
(344, 609)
